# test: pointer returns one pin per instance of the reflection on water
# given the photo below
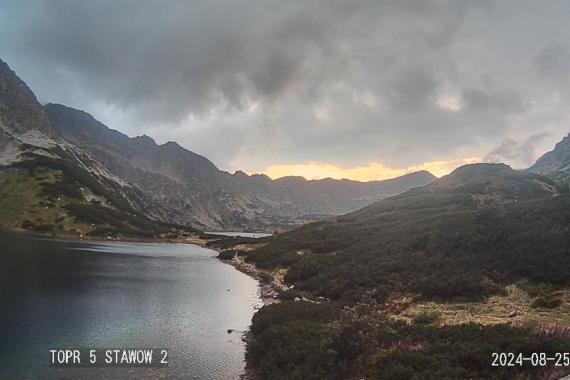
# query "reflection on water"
(58, 294)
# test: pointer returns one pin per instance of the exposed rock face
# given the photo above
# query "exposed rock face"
(214, 199)
(167, 182)
(20, 111)
(24, 127)
(26, 134)
(556, 163)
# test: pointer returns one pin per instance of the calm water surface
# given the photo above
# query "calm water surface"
(121, 295)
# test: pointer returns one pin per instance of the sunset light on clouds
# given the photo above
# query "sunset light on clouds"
(371, 172)
(362, 91)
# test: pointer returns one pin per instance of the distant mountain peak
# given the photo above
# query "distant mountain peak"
(172, 144)
(482, 168)
(292, 178)
(144, 140)
(495, 179)
(181, 186)
(423, 173)
(20, 110)
(556, 163)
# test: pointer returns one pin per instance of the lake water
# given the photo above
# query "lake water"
(63, 294)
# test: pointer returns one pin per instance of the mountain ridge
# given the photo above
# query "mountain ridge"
(167, 182)
(475, 262)
(48, 183)
(451, 221)
(555, 164)
(189, 181)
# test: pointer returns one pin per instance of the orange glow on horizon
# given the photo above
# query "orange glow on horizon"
(373, 171)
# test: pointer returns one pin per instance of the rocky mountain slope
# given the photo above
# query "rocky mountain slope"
(556, 163)
(208, 197)
(24, 127)
(48, 184)
(166, 183)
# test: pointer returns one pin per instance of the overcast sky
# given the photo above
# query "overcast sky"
(359, 89)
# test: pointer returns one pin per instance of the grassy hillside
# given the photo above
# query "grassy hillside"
(373, 276)
(50, 197)
(465, 236)
(20, 197)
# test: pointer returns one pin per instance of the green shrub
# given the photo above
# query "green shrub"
(327, 341)
(546, 303)
(427, 318)
(62, 188)
(264, 276)
(440, 246)
(42, 227)
(227, 254)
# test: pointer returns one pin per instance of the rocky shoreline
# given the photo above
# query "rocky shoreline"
(270, 285)
(270, 288)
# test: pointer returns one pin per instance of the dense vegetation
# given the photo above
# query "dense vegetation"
(460, 237)
(112, 222)
(73, 175)
(322, 341)
(223, 242)
(48, 195)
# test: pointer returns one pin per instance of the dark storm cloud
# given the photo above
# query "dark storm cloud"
(252, 83)
(478, 100)
(553, 63)
(171, 58)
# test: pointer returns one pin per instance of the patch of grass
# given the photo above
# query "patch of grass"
(96, 214)
(224, 242)
(116, 232)
(72, 173)
(62, 188)
(38, 199)
(536, 290)
(44, 195)
(426, 318)
(515, 306)
(20, 197)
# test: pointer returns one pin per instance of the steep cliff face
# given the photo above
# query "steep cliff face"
(28, 142)
(209, 198)
(556, 163)
(24, 126)
(20, 111)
